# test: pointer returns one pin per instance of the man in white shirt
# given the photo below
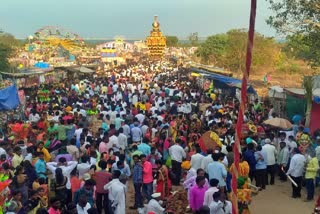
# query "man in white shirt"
(83, 205)
(66, 167)
(123, 140)
(206, 160)
(216, 206)
(114, 142)
(117, 191)
(140, 117)
(177, 155)
(196, 159)
(271, 159)
(84, 166)
(154, 206)
(296, 170)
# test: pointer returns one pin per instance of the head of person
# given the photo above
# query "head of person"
(159, 163)
(72, 208)
(215, 156)
(55, 203)
(200, 172)
(89, 184)
(291, 138)
(3, 157)
(203, 210)
(17, 150)
(283, 136)
(200, 181)
(214, 182)
(136, 158)
(198, 149)
(250, 146)
(103, 164)
(296, 151)
(83, 200)
(143, 158)
(42, 211)
(16, 195)
(62, 161)
(40, 145)
(282, 144)
(216, 196)
(40, 155)
(120, 164)
(259, 148)
(116, 174)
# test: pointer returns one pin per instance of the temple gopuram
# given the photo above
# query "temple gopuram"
(156, 42)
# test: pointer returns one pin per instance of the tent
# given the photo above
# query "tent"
(9, 98)
(223, 82)
(297, 104)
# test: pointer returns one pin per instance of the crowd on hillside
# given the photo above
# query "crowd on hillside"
(80, 149)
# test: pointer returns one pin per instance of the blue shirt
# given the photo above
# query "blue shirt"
(41, 168)
(144, 148)
(261, 163)
(125, 170)
(137, 175)
(218, 171)
(250, 158)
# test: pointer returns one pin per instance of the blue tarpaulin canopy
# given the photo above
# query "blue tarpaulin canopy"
(42, 65)
(221, 81)
(9, 98)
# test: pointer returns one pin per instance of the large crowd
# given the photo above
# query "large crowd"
(81, 148)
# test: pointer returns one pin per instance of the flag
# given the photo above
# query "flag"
(236, 145)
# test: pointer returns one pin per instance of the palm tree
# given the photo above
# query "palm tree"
(308, 86)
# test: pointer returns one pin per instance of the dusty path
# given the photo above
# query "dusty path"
(276, 200)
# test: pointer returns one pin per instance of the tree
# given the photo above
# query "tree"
(172, 41)
(299, 21)
(308, 86)
(5, 53)
(7, 43)
(213, 49)
(194, 38)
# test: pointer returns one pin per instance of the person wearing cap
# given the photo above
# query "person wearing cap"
(296, 170)
(154, 206)
(271, 160)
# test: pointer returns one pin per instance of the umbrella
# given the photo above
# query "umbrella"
(279, 123)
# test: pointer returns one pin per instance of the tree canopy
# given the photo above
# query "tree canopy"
(229, 50)
(172, 41)
(7, 43)
(299, 21)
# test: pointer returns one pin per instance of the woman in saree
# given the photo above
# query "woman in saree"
(163, 181)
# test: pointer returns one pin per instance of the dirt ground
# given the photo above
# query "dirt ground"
(274, 200)
(277, 199)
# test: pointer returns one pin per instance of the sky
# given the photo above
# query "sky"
(131, 19)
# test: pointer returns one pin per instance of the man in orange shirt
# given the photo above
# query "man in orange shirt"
(147, 187)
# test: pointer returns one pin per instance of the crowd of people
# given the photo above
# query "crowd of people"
(82, 148)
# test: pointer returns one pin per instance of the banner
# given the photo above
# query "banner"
(9, 98)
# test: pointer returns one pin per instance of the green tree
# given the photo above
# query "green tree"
(172, 41)
(5, 53)
(7, 44)
(299, 22)
(213, 49)
(194, 38)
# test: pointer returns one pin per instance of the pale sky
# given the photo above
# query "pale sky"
(130, 18)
